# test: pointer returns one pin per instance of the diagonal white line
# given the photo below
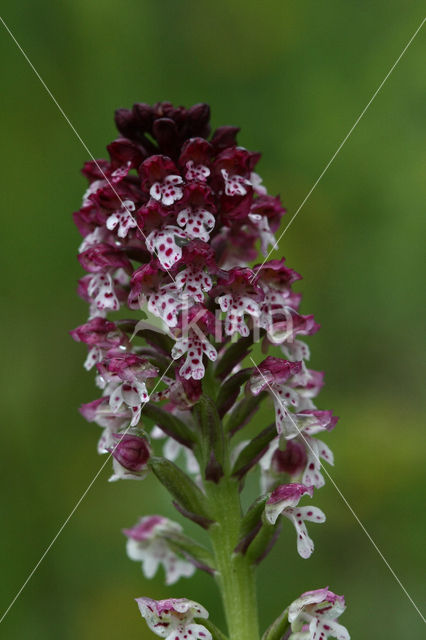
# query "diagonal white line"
(68, 121)
(74, 509)
(288, 414)
(335, 154)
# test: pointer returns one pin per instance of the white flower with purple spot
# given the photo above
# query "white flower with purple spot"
(235, 185)
(97, 236)
(166, 244)
(147, 543)
(284, 501)
(192, 283)
(315, 451)
(194, 346)
(173, 619)
(235, 307)
(101, 290)
(122, 220)
(134, 395)
(314, 615)
(197, 222)
(166, 304)
(198, 172)
(168, 190)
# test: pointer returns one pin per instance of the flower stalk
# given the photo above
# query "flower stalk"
(236, 577)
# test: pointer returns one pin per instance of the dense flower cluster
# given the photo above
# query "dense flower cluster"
(172, 224)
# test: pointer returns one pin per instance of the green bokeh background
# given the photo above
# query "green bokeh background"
(294, 76)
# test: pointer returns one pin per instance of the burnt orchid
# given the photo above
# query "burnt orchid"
(172, 225)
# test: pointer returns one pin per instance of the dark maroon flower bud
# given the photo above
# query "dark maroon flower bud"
(276, 275)
(131, 452)
(198, 120)
(104, 256)
(165, 132)
(126, 122)
(123, 151)
(96, 331)
(144, 116)
(95, 169)
(225, 137)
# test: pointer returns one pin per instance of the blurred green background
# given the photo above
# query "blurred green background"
(294, 76)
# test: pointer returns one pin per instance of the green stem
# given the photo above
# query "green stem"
(235, 575)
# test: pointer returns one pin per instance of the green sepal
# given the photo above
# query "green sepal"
(233, 355)
(181, 487)
(192, 550)
(278, 628)
(253, 451)
(253, 516)
(230, 390)
(266, 537)
(251, 524)
(170, 424)
(243, 411)
(212, 439)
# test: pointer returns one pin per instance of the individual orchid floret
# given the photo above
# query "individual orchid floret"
(131, 454)
(151, 285)
(167, 244)
(314, 615)
(100, 335)
(193, 281)
(282, 379)
(277, 463)
(235, 185)
(316, 450)
(271, 376)
(100, 412)
(289, 323)
(197, 222)
(237, 295)
(271, 373)
(284, 501)
(124, 376)
(104, 257)
(122, 220)
(147, 543)
(101, 290)
(197, 213)
(291, 461)
(267, 238)
(311, 422)
(173, 619)
(236, 165)
(194, 343)
(196, 158)
(161, 176)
